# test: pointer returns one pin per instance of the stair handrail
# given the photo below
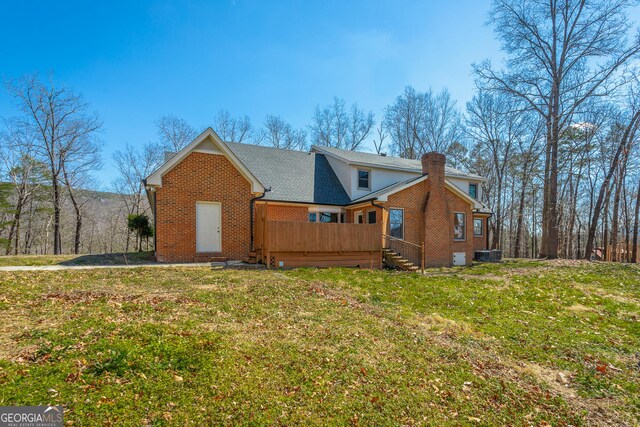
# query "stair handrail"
(401, 240)
(406, 242)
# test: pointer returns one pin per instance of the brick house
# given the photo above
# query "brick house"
(218, 200)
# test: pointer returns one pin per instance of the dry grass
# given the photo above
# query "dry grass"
(322, 347)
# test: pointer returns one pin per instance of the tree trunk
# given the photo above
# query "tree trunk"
(615, 217)
(57, 238)
(14, 230)
(631, 128)
(77, 211)
(549, 246)
(636, 224)
(605, 226)
(519, 227)
(498, 222)
(627, 224)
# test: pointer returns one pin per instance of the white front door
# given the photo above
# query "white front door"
(208, 227)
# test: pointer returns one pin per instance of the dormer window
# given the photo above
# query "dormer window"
(473, 190)
(364, 179)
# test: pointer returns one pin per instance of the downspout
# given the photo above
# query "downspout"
(153, 210)
(380, 207)
(377, 206)
(251, 209)
(155, 227)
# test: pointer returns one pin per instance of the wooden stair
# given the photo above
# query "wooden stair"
(392, 259)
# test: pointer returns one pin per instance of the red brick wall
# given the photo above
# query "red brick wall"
(205, 178)
(457, 204)
(287, 213)
(480, 242)
(437, 230)
(412, 201)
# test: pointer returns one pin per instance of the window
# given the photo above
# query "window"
(473, 190)
(312, 216)
(359, 218)
(396, 223)
(477, 227)
(343, 218)
(328, 217)
(371, 217)
(363, 179)
(459, 221)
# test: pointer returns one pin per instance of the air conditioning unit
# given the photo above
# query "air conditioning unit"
(482, 256)
(459, 258)
(496, 255)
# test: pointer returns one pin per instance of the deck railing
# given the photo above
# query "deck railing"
(297, 236)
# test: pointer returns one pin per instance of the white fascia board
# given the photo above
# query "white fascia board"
(155, 179)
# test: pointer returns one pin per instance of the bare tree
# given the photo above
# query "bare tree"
(378, 143)
(334, 126)
(232, 129)
(495, 124)
(359, 127)
(280, 134)
(23, 171)
(625, 141)
(419, 122)
(175, 133)
(401, 120)
(439, 125)
(134, 166)
(84, 158)
(636, 227)
(560, 54)
(60, 119)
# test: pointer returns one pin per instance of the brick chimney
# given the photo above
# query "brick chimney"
(438, 224)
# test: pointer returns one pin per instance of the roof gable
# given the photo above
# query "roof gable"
(207, 142)
(292, 176)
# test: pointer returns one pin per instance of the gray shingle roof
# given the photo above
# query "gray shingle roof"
(294, 176)
(387, 161)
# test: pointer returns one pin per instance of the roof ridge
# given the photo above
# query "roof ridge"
(270, 148)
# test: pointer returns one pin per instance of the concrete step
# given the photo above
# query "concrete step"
(209, 258)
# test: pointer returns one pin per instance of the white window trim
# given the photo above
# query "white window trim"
(481, 228)
(397, 209)
(469, 189)
(464, 228)
(319, 214)
(358, 170)
(326, 209)
(366, 218)
(355, 217)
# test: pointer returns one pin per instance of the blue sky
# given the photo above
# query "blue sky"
(134, 61)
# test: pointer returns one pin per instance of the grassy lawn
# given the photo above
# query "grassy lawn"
(526, 343)
(98, 259)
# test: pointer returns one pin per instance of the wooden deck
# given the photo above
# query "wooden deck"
(297, 244)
